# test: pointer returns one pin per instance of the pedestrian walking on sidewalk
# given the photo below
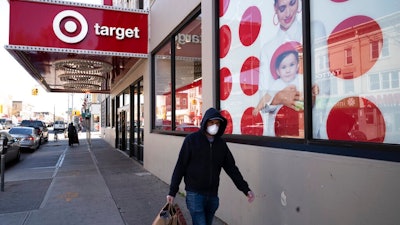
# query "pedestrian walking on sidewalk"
(72, 135)
(202, 156)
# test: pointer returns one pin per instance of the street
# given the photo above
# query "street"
(40, 164)
(38, 167)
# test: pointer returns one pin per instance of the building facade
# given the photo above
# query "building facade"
(305, 171)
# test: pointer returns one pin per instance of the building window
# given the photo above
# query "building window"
(162, 82)
(348, 56)
(132, 4)
(395, 79)
(385, 48)
(385, 80)
(105, 112)
(374, 83)
(349, 86)
(374, 50)
(254, 57)
(323, 62)
(178, 79)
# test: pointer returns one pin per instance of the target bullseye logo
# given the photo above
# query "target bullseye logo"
(70, 26)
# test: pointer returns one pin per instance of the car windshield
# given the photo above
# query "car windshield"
(20, 131)
(31, 123)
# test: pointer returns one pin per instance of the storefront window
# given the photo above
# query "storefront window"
(178, 80)
(127, 97)
(188, 77)
(354, 82)
(261, 61)
(162, 83)
(365, 104)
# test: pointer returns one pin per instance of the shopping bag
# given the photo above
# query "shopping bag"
(180, 219)
(165, 216)
(170, 215)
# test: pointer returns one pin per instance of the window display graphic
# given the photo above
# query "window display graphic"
(355, 79)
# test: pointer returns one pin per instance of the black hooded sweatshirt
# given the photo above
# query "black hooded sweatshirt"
(200, 161)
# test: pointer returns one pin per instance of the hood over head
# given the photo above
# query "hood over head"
(212, 114)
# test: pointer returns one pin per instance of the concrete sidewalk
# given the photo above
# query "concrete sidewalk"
(91, 185)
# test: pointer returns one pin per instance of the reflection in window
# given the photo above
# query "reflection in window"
(188, 76)
(364, 66)
(395, 79)
(349, 86)
(333, 87)
(323, 62)
(162, 83)
(374, 49)
(374, 82)
(385, 47)
(179, 101)
(386, 80)
(348, 56)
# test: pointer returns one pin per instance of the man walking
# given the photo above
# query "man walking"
(202, 156)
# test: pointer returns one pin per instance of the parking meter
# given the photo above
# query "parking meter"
(3, 145)
(3, 151)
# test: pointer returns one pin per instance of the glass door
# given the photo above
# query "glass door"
(137, 114)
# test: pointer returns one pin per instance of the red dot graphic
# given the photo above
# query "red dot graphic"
(289, 123)
(223, 7)
(250, 75)
(356, 119)
(250, 26)
(228, 117)
(251, 125)
(225, 83)
(225, 39)
(349, 46)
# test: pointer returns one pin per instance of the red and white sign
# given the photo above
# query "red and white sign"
(55, 25)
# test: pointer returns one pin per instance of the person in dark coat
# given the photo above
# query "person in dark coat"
(72, 135)
(202, 156)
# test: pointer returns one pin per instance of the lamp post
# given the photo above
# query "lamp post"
(86, 114)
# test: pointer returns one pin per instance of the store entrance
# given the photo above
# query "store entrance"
(137, 115)
(123, 129)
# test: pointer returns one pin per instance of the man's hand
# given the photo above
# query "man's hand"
(170, 199)
(250, 196)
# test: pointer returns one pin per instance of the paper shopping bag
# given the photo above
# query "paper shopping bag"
(180, 219)
(165, 216)
(170, 215)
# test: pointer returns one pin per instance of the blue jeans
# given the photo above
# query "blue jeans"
(201, 207)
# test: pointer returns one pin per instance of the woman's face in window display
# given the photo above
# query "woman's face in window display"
(286, 11)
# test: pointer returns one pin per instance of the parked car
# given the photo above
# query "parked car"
(28, 137)
(6, 123)
(13, 152)
(43, 131)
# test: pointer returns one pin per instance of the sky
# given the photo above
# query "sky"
(17, 83)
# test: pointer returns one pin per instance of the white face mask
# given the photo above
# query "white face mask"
(213, 129)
